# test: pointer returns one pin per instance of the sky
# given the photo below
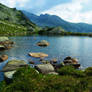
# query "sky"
(69, 10)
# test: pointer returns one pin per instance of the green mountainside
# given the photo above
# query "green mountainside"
(7, 28)
(52, 30)
(12, 20)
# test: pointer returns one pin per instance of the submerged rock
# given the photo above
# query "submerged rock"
(31, 62)
(45, 68)
(43, 43)
(54, 60)
(38, 55)
(3, 58)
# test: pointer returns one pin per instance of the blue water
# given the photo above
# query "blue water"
(60, 47)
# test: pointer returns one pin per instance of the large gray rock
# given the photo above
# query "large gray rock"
(45, 68)
(10, 68)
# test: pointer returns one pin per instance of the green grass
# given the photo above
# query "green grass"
(28, 80)
(7, 28)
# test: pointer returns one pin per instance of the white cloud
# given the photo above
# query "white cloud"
(72, 11)
(14, 3)
(29, 5)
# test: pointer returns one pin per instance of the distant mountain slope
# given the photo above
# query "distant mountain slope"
(54, 21)
(52, 30)
(15, 16)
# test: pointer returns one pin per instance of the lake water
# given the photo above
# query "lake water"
(60, 47)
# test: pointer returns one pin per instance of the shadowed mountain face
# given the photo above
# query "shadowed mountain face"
(54, 21)
(15, 16)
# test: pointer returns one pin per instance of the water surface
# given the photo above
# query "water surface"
(60, 47)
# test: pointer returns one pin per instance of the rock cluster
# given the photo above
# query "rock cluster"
(10, 68)
(71, 61)
(5, 43)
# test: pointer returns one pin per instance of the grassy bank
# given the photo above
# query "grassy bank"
(68, 80)
(65, 34)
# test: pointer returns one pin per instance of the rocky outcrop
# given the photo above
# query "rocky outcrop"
(38, 55)
(43, 43)
(5, 43)
(10, 68)
(3, 58)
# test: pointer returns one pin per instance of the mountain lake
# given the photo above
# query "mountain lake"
(60, 47)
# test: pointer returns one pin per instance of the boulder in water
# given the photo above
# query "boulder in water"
(3, 58)
(71, 61)
(38, 55)
(54, 60)
(43, 43)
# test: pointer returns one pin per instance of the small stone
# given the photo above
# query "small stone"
(43, 43)
(3, 58)
(54, 73)
(74, 61)
(2, 47)
(54, 60)
(31, 62)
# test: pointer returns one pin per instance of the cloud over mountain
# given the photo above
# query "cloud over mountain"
(70, 10)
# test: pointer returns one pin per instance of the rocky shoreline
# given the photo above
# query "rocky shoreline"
(46, 67)
(47, 76)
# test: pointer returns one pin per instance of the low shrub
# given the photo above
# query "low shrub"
(70, 70)
(28, 80)
(88, 71)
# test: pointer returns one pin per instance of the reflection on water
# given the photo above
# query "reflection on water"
(60, 47)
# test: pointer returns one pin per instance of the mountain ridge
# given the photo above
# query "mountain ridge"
(54, 21)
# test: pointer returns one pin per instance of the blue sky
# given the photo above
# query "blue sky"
(70, 10)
